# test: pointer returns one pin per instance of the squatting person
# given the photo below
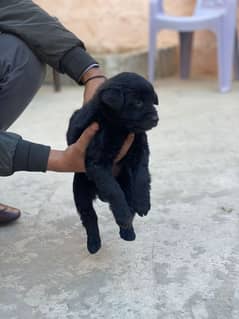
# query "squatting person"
(29, 39)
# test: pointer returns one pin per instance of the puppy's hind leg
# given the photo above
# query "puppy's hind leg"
(84, 193)
(109, 190)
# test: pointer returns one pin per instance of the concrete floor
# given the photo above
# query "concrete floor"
(184, 263)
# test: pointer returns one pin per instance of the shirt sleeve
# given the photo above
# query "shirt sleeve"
(46, 36)
(17, 154)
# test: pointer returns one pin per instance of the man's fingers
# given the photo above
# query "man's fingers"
(86, 136)
(125, 148)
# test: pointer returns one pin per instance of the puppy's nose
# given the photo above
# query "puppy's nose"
(155, 118)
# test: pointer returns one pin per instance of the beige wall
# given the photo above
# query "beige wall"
(122, 25)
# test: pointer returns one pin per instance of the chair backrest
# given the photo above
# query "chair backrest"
(228, 6)
(201, 5)
(214, 4)
(160, 5)
(156, 7)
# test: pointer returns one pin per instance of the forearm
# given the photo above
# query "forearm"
(21, 155)
(59, 161)
(17, 154)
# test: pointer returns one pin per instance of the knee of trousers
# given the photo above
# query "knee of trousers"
(21, 75)
(17, 61)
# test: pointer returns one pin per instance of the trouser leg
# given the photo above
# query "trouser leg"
(21, 75)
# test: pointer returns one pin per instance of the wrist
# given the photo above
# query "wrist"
(91, 73)
(70, 160)
(56, 161)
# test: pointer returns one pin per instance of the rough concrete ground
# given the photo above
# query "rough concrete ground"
(184, 263)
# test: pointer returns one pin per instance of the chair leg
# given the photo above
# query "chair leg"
(225, 58)
(236, 58)
(56, 81)
(152, 53)
(186, 41)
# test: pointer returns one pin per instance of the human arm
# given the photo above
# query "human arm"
(50, 41)
(46, 36)
(17, 154)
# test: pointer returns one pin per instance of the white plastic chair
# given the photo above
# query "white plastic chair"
(218, 16)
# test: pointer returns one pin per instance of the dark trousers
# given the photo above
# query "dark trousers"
(21, 75)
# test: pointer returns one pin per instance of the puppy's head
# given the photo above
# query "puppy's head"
(128, 100)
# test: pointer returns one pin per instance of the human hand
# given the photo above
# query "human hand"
(72, 159)
(124, 150)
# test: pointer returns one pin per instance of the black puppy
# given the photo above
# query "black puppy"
(123, 104)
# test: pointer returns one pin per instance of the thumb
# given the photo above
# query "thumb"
(85, 138)
(125, 148)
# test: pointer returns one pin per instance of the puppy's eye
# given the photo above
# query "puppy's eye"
(139, 104)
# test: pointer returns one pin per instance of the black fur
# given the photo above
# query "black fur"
(123, 104)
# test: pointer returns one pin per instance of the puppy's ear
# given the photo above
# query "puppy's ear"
(156, 100)
(113, 98)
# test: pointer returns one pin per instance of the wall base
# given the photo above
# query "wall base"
(132, 62)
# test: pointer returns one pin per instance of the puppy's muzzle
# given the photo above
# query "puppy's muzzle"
(155, 119)
(152, 118)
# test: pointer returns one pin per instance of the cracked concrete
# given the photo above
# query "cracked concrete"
(184, 263)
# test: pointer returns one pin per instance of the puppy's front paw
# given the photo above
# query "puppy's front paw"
(127, 234)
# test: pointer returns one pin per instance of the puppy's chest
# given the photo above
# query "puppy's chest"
(106, 144)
